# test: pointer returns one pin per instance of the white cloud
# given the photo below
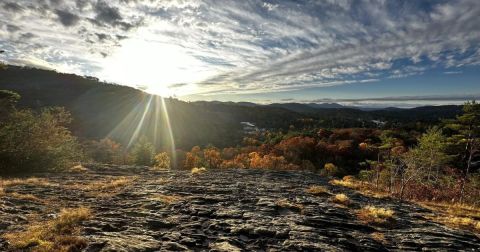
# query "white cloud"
(246, 46)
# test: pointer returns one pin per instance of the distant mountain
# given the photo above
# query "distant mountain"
(106, 110)
(296, 107)
(325, 105)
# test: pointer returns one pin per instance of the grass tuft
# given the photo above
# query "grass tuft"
(78, 169)
(27, 181)
(59, 234)
(375, 215)
(20, 196)
(200, 170)
(285, 203)
(166, 199)
(317, 190)
(345, 183)
(341, 199)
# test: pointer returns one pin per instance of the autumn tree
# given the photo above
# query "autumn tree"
(193, 158)
(212, 157)
(162, 161)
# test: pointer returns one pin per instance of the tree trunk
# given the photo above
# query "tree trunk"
(465, 176)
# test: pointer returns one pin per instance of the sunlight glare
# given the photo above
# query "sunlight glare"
(158, 67)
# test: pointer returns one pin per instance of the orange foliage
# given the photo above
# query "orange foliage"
(212, 157)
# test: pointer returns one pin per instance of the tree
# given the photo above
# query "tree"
(424, 161)
(433, 145)
(105, 151)
(32, 141)
(8, 100)
(162, 161)
(193, 158)
(212, 157)
(143, 152)
(466, 139)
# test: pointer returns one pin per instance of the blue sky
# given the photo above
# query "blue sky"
(368, 53)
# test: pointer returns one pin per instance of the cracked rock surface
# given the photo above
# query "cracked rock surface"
(224, 210)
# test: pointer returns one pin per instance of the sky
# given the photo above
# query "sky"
(361, 53)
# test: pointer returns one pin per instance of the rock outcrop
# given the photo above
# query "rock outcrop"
(224, 210)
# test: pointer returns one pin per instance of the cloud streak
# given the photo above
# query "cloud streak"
(253, 46)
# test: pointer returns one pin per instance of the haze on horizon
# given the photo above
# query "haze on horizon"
(368, 53)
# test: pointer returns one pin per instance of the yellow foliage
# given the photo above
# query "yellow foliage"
(162, 161)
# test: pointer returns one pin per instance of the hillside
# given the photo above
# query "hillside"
(102, 109)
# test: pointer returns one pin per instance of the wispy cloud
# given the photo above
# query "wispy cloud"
(251, 46)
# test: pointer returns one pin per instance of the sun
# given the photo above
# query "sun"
(157, 67)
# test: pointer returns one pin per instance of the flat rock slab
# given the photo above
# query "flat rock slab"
(226, 210)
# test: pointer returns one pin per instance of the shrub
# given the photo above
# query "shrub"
(105, 151)
(143, 152)
(31, 142)
(331, 169)
(162, 161)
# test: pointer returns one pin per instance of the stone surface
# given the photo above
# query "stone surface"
(225, 210)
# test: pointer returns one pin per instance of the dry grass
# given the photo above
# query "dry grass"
(380, 237)
(341, 199)
(24, 181)
(200, 170)
(20, 196)
(459, 222)
(59, 234)
(318, 190)
(345, 183)
(457, 210)
(166, 199)
(375, 215)
(2, 191)
(104, 185)
(163, 181)
(362, 187)
(455, 215)
(285, 203)
(78, 169)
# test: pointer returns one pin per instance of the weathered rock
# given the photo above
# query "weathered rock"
(225, 210)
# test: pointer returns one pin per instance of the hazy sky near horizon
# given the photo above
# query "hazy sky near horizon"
(372, 52)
